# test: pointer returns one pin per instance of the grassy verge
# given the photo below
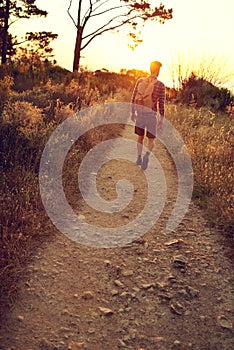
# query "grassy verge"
(209, 138)
(27, 121)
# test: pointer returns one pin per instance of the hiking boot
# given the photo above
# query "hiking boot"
(145, 162)
(139, 160)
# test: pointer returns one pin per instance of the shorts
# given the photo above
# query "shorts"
(146, 122)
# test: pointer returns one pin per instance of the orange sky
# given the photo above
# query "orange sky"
(198, 29)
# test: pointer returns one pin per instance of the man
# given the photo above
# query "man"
(147, 120)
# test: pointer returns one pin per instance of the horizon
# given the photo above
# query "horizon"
(182, 39)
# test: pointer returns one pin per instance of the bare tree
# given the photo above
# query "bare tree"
(95, 17)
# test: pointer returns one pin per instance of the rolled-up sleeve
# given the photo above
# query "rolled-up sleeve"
(158, 98)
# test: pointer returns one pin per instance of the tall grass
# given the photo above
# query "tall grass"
(27, 120)
(209, 138)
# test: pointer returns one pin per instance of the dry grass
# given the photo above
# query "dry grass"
(209, 138)
(27, 120)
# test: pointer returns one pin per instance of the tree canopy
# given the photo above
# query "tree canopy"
(95, 17)
(10, 12)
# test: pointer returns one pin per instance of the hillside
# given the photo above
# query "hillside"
(159, 291)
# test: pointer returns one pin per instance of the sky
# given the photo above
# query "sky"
(200, 30)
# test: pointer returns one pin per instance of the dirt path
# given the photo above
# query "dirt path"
(159, 292)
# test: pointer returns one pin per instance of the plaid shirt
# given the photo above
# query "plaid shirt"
(158, 97)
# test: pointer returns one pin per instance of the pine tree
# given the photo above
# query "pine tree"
(10, 11)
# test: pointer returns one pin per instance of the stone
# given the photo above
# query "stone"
(129, 296)
(122, 343)
(77, 346)
(192, 291)
(224, 322)
(202, 318)
(81, 217)
(173, 242)
(45, 344)
(114, 292)
(158, 339)
(106, 311)
(177, 308)
(147, 285)
(125, 216)
(179, 261)
(107, 262)
(183, 293)
(127, 309)
(176, 344)
(87, 295)
(91, 330)
(166, 296)
(161, 285)
(20, 318)
(127, 273)
(118, 283)
(125, 324)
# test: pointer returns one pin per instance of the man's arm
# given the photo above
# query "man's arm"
(133, 116)
(159, 98)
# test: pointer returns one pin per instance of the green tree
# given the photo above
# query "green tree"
(10, 12)
(39, 42)
(96, 17)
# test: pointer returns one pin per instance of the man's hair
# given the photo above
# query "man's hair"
(155, 67)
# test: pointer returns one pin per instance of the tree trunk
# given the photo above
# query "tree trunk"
(76, 62)
(5, 32)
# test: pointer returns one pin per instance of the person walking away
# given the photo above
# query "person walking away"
(148, 92)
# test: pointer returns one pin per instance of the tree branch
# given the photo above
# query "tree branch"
(87, 14)
(79, 14)
(22, 42)
(128, 20)
(97, 33)
(105, 11)
(68, 11)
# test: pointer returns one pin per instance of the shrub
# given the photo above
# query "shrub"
(204, 94)
(5, 91)
(24, 116)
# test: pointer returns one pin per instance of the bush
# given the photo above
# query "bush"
(201, 93)
(5, 91)
(24, 116)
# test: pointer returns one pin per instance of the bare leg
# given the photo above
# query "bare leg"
(150, 144)
(140, 141)
(145, 161)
